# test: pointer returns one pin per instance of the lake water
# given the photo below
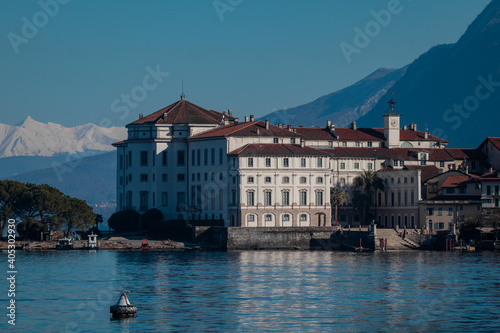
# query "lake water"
(256, 291)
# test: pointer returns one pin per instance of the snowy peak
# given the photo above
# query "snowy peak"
(33, 138)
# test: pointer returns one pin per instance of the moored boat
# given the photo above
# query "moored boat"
(64, 244)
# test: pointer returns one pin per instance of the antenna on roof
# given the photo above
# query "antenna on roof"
(183, 97)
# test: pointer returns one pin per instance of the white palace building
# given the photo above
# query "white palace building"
(198, 164)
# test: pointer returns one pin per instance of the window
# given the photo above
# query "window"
(285, 162)
(275, 140)
(356, 165)
(144, 177)
(320, 162)
(144, 158)
(303, 163)
(286, 217)
(193, 157)
(344, 144)
(441, 164)
(268, 198)
(497, 188)
(370, 166)
(205, 157)
(450, 190)
(212, 200)
(180, 177)
(221, 176)
(286, 180)
(358, 144)
(402, 163)
(430, 211)
(269, 217)
(303, 217)
(423, 159)
(412, 196)
(221, 156)
(369, 144)
(198, 157)
(181, 200)
(180, 157)
(268, 179)
(250, 180)
(319, 180)
(121, 162)
(251, 218)
(440, 211)
(450, 211)
(303, 198)
(342, 181)
(164, 177)
(406, 180)
(164, 199)
(286, 198)
(412, 180)
(395, 163)
(488, 190)
(292, 141)
(129, 158)
(319, 198)
(342, 165)
(303, 180)
(250, 198)
(212, 156)
(250, 162)
(144, 198)
(206, 176)
(268, 162)
(121, 180)
(233, 197)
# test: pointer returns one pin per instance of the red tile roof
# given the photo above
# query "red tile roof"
(314, 133)
(119, 143)
(363, 134)
(276, 149)
(455, 181)
(428, 171)
(182, 112)
(470, 154)
(411, 135)
(348, 152)
(254, 128)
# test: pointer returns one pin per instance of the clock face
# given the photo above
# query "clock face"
(393, 123)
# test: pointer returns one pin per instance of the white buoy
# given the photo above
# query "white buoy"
(123, 308)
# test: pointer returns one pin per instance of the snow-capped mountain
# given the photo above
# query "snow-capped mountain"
(33, 138)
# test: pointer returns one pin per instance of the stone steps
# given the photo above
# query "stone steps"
(394, 241)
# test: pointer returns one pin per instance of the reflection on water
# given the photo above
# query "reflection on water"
(259, 291)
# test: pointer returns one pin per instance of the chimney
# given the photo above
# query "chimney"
(252, 118)
(426, 135)
(290, 128)
(454, 166)
(328, 123)
(415, 127)
(230, 113)
(491, 169)
(236, 120)
(405, 127)
(246, 119)
(301, 126)
(466, 169)
(141, 116)
(302, 143)
(165, 116)
(267, 123)
(353, 125)
(258, 131)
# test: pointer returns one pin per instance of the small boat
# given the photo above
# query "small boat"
(145, 245)
(64, 244)
(92, 243)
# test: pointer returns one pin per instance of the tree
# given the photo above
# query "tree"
(152, 216)
(77, 214)
(124, 221)
(338, 197)
(369, 182)
(470, 225)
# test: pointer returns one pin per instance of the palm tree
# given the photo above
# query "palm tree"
(338, 197)
(369, 182)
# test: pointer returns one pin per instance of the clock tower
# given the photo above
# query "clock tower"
(391, 127)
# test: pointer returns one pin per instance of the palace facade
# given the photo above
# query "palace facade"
(198, 164)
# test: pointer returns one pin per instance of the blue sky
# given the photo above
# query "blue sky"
(83, 57)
